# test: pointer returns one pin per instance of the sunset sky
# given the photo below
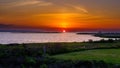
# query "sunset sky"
(61, 14)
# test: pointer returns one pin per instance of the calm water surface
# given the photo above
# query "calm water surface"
(6, 38)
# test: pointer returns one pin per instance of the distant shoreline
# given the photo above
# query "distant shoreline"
(104, 35)
(89, 41)
(31, 32)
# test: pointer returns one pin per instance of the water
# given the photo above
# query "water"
(7, 38)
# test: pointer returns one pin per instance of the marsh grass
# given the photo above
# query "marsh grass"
(107, 55)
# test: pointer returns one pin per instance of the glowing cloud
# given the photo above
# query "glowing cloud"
(79, 8)
(27, 2)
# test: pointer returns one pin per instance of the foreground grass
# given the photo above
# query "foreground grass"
(92, 54)
(107, 55)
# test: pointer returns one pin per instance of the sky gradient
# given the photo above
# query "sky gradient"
(61, 14)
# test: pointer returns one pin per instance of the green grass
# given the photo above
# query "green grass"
(107, 55)
(32, 54)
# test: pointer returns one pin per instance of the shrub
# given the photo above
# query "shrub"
(43, 66)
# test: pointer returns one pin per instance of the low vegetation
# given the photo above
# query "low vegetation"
(92, 54)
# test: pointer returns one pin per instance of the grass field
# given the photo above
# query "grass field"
(107, 55)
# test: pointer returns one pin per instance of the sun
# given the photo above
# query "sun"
(64, 31)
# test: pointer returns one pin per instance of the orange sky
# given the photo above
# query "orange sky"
(103, 14)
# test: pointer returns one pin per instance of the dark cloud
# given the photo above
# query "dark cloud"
(6, 26)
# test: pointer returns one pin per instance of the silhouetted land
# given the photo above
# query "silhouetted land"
(29, 32)
(53, 55)
(104, 35)
(91, 33)
(108, 35)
